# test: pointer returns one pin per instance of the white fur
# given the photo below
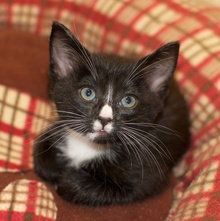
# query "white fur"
(106, 112)
(110, 93)
(108, 128)
(97, 126)
(80, 149)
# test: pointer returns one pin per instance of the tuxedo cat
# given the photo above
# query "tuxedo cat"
(122, 125)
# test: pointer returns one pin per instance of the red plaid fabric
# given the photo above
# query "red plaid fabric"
(27, 200)
(21, 119)
(136, 28)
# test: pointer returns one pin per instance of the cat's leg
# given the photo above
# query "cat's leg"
(81, 187)
(47, 159)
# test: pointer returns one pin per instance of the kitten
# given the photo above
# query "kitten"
(123, 123)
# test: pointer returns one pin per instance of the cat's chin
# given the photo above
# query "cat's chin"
(101, 140)
(100, 137)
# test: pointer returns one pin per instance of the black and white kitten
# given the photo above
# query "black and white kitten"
(122, 124)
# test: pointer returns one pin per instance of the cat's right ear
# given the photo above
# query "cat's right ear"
(66, 52)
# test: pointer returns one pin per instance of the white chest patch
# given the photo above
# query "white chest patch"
(80, 149)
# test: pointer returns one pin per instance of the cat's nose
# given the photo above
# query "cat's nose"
(104, 120)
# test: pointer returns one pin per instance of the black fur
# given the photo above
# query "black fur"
(147, 139)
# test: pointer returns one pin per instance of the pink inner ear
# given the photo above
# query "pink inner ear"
(161, 73)
(61, 58)
(157, 82)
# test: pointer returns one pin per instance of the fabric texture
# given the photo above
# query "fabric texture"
(137, 28)
(22, 118)
(27, 200)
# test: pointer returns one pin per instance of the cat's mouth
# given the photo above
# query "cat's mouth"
(100, 136)
(101, 133)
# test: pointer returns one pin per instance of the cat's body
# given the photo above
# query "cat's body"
(122, 124)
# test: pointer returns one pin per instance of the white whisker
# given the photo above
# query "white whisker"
(136, 75)
(143, 146)
(163, 129)
(62, 138)
(140, 133)
(135, 150)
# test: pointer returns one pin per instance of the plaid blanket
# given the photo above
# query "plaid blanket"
(131, 28)
(21, 119)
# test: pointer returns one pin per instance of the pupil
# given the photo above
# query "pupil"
(88, 93)
(128, 100)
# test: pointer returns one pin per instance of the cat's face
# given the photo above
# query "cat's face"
(104, 96)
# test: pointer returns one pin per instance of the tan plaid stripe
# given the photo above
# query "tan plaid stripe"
(30, 199)
(20, 122)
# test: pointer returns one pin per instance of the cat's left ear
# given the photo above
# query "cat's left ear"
(66, 52)
(159, 67)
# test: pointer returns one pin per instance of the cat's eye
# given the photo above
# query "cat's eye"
(88, 94)
(128, 102)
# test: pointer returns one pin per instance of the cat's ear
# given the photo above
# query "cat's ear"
(66, 52)
(158, 67)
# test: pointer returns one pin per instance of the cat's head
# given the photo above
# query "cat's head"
(103, 96)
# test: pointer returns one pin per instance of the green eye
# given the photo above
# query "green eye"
(128, 101)
(88, 94)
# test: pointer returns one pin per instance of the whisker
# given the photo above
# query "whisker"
(62, 138)
(135, 75)
(70, 113)
(125, 145)
(60, 127)
(84, 57)
(50, 135)
(135, 151)
(138, 139)
(155, 126)
(141, 133)
(87, 58)
(84, 114)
